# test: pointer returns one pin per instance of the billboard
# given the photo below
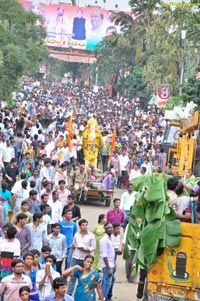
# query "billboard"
(72, 26)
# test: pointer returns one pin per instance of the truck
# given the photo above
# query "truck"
(167, 248)
(176, 274)
(182, 145)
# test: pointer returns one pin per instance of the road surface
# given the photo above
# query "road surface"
(122, 291)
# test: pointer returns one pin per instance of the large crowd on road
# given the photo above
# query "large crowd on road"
(45, 241)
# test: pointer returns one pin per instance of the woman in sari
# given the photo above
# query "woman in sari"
(99, 232)
(88, 280)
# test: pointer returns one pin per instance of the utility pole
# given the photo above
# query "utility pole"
(183, 36)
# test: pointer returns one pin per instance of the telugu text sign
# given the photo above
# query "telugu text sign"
(71, 26)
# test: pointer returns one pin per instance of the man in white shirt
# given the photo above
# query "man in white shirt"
(45, 277)
(2, 145)
(127, 201)
(58, 25)
(56, 207)
(49, 147)
(123, 161)
(147, 165)
(84, 244)
(75, 145)
(135, 172)
(159, 138)
(66, 155)
(34, 130)
(41, 136)
(17, 186)
(107, 259)
(45, 170)
(8, 153)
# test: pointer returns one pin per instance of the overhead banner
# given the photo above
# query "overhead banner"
(72, 26)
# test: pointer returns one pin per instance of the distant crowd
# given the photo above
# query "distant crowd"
(42, 179)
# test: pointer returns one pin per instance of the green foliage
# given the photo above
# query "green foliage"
(114, 55)
(154, 42)
(193, 29)
(21, 44)
(147, 8)
(191, 91)
(57, 68)
(191, 182)
(135, 86)
(174, 101)
(162, 59)
(159, 228)
(120, 52)
(167, 51)
(10, 103)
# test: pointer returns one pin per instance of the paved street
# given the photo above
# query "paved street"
(123, 291)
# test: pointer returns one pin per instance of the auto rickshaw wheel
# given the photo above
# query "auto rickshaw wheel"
(108, 201)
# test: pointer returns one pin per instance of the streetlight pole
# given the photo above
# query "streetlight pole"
(183, 36)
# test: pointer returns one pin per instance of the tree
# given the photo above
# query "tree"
(21, 44)
(122, 52)
(57, 68)
(168, 51)
(191, 91)
(133, 85)
(118, 53)
(113, 58)
(164, 55)
(153, 39)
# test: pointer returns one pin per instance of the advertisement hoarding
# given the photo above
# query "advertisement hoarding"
(71, 26)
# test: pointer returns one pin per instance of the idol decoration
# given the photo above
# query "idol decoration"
(92, 141)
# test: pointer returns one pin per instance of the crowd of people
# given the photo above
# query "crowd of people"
(40, 242)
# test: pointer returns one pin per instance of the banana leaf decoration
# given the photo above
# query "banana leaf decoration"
(160, 227)
(191, 182)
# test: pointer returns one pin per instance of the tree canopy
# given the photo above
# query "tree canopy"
(153, 42)
(21, 44)
(133, 84)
